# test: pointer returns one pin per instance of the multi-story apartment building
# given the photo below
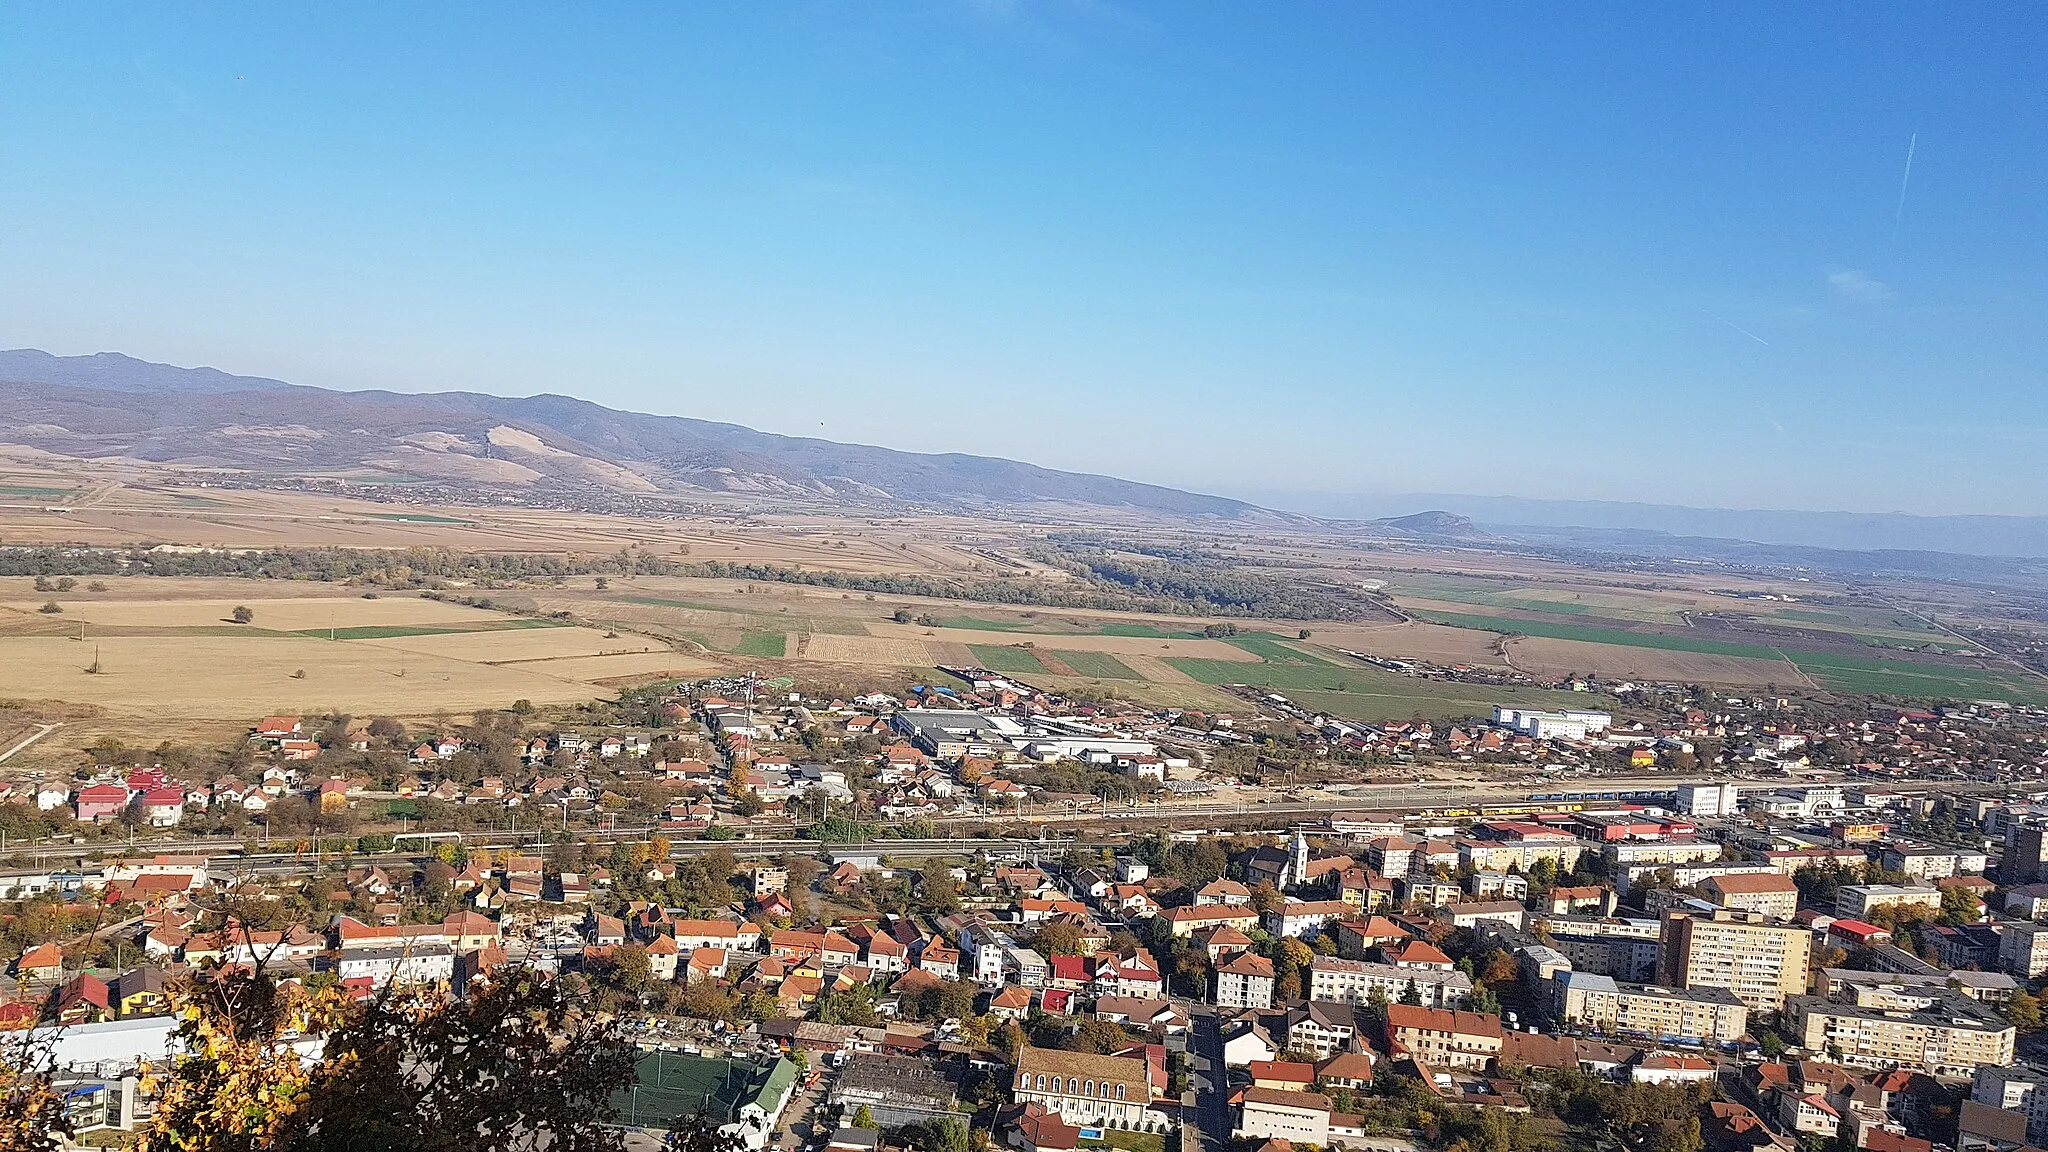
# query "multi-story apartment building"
(1951, 1036)
(1769, 893)
(1630, 853)
(1520, 855)
(1244, 981)
(1760, 960)
(1299, 1118)
(2023, 948)
(1322, 1029)
(1391, 855)
(1442, 1038)
(2021, 1088)
(1636, 876)
(1604, 1005)
(1624, 948)
(1306, 917)
(1932, 862)
(1353, 982)
(1858, 900)
(2025, 859)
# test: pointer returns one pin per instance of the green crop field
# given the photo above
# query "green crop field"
(30, 490)
(661, 602)
(1454, 700)
(1366, 693)
(392, 631)
(758, 642)
(1007, 658)
(1590, 635)
(1875, 627)
(1045, 625)
(1269, 647)
(1318, 676)
(1147, 632)
(1068, 626)
(1099, 664)
(1845, 673)
(418, 518)
(976, 624)
(1838, 671)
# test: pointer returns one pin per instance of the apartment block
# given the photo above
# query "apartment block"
(1952, 1036)
(1354, 981)
(1607, 1006)
(1760, 960)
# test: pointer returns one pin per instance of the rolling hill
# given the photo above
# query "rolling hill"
(114, 406)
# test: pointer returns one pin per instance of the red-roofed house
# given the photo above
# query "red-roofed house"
(163, 807)
(101, 802)
(1441, 1037)
(42, 962)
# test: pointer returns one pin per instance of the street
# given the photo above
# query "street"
(794, 1130)
(1210, 1130)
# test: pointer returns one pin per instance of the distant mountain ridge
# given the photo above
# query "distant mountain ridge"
(1432, 523)
(110, 405)
(1967, 535)
(114, 372)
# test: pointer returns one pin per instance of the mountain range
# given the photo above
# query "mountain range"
(115, 406)
(110, 405)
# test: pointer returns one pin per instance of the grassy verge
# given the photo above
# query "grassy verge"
(1128, 1141)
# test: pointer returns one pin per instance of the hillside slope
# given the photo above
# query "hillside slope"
(115, 406)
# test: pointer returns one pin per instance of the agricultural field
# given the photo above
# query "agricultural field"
(223, 677)
(1995, 681)
(1560, 649)
(1096, 664)
(1547, 658)
(519, 645)
(175, 658)
(1417, 640)
(1594, 634)
(1719, 626)
(1014, 659)
(761, 642)
(1362, 692)
(280, 615)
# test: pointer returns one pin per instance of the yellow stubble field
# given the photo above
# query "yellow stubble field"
(223, 677)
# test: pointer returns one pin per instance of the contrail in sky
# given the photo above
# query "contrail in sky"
(1900, 213)
(1738, 328)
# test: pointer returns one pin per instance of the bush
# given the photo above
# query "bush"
(241, 614)
(50, 608)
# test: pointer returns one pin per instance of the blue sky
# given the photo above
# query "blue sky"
(1603, 251)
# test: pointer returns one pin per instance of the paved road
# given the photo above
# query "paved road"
(1211, 1081)
(794, 1129)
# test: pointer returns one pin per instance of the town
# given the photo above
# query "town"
(978, 910)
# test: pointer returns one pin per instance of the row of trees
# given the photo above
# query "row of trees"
(409, 567)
